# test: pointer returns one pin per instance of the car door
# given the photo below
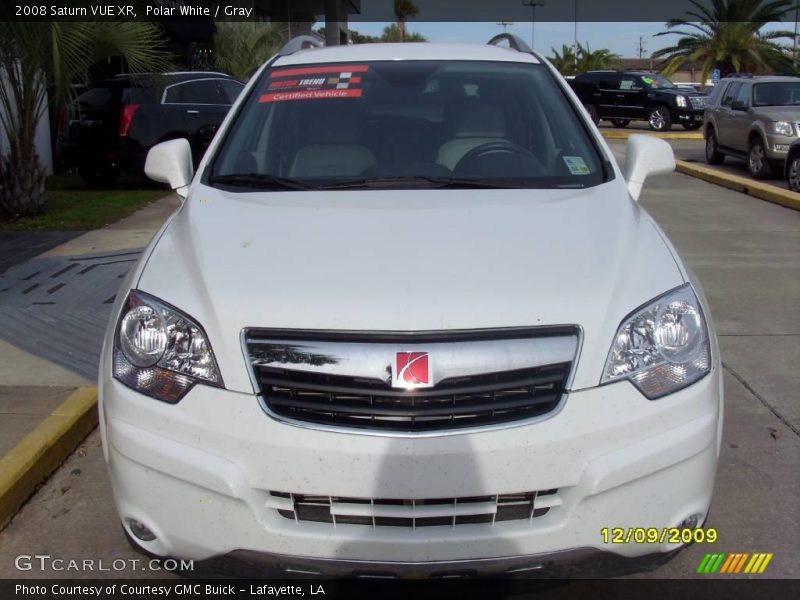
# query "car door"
(724, 115)
(741, 118)
(608, 87)
(631, 99)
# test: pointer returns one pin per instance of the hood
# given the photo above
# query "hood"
(778, 113)
(410, 261)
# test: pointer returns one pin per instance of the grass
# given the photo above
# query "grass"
(73, 206)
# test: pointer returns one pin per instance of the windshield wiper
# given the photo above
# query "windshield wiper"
(423, 180)
(259, 180)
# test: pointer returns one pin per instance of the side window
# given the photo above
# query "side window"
(730, 93)
(609, 81)
(201, 91)
(715, 94)
(744, 94)
(630, 83)
(229, 90)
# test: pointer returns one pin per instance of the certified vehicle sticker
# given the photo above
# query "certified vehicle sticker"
(576, 165)
(314, 83)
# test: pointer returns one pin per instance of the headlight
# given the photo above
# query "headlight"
(780, 128)
(682, 101)
(661, 347)
(161, 352)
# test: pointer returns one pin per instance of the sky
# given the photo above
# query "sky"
(620, 38)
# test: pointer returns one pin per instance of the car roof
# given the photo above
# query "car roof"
(764, 79)
(408, 51)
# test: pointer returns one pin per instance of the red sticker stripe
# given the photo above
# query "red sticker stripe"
(319, 70)
(309, 95)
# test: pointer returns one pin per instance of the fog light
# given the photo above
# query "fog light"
(690, 522)
(141, 531)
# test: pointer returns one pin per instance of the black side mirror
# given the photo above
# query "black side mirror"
(738, 105)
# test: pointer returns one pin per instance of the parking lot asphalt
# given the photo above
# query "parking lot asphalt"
(745, 253)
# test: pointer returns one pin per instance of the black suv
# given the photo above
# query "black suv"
(110, 127)
(624, 96)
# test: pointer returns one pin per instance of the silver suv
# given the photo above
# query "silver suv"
(753, 118)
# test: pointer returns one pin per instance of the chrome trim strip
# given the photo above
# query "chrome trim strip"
(376, 360)
(578, 347)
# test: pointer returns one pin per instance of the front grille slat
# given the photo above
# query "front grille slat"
(442, 411)
(410, 513)
(470, 401)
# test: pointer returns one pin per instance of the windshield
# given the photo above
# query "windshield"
(657, 82)
(776, 94)
(407, 124)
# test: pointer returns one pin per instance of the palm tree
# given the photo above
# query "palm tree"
(727, 36)
(589, 60)
(40, 62)
(404, 10)
(571, 61)
(564, 62)
(392, 33)
(241, 47)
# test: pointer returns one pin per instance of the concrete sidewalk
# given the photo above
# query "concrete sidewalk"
(46, 382)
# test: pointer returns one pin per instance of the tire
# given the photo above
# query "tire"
(659, 118)
(691, 126)
(98, 174)
(793, 173)
(757, 162)
(620, 123)
(593, 114)
(713, 155)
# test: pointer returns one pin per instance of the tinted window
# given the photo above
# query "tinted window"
(744, 94)
(782, 93)
(730, 93)
(505, 123)
(202, 91)
(609, 81)
(97, 98)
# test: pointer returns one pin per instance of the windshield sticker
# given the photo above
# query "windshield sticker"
(314, 83)
(576, 165)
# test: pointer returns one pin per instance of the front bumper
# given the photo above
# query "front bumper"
(688, 116)
(778, 147)
(199, 475)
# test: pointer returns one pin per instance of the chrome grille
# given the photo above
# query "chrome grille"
(698, 102)
(473, 378)
(436, 512)
(460, 402)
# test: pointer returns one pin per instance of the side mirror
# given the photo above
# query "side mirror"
(646, 155)
(171, 163)
(738, 105)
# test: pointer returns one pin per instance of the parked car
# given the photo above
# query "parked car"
(110, 127)
(625, 96)
(755, 119)
(791, 170)
(410, 319)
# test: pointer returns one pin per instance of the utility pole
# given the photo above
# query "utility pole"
(641, 47)
(533, 4)
(794, 47)
(505, 25)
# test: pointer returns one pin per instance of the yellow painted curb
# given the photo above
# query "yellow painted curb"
(752, 187)
(667, 135)
(42, 451)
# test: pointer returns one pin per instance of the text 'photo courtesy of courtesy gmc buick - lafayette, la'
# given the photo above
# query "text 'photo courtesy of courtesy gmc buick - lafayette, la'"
(410, 319)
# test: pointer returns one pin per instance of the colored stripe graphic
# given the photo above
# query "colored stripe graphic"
(319, 70)
(735, 562)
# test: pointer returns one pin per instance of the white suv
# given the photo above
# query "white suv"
(410, 319)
